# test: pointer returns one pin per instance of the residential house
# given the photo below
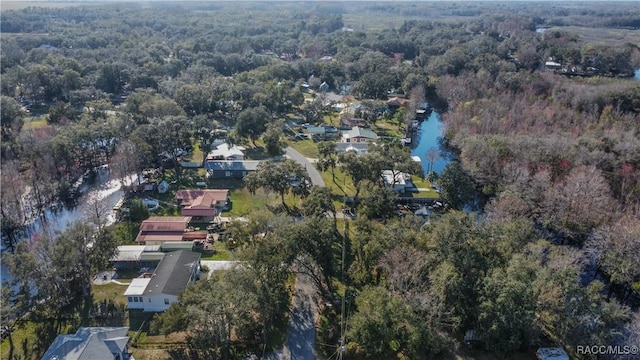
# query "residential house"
(398, 181)
(90, 343)
(136, 256)
(358, 148)
(322, 132)
(324, 87)
(552, 65)
(221, 169)
(225, 152)
(395, 102)
(202, 202)
(159, 229)
(157, 291)
(359, 134)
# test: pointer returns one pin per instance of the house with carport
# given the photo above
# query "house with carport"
(156, 292)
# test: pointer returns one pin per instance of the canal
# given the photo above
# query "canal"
(428, 140)
(103, 187)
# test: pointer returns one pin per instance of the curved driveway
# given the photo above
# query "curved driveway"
(314, 174)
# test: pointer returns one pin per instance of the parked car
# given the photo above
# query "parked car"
(349, 213)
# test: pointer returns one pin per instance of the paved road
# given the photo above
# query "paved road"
(301, 331)
(294, 155)
(300, 342)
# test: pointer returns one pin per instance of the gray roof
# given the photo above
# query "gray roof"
(173, 273)
(229, 165)
(360, 132)
(89, 343)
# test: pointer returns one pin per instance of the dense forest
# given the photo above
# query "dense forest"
(546, 157)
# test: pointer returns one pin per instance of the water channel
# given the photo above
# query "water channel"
(103, 187)
(428, 137)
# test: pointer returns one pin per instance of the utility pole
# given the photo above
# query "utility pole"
(343, 325)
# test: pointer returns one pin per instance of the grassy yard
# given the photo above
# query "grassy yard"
(242, 202)
(342, 186)
(197, 154)
(25, 335)
(110, 291)
(306, 147)
(386, 128)
(422, 184)
(222, 253)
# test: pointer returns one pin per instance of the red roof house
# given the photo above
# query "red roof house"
(158, 229)
(202, 202)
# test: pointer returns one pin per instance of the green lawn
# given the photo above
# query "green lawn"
(222, 253)
(197, 154)
(386, 128)
(420, 183)
(342, 185)
(110, 291)
(306, 147)
(242, 202)
(23, 335)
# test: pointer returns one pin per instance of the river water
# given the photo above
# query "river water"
(429, 134)
(103, 188)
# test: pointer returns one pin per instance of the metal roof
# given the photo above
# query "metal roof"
(89, 343)
(228, 165)
(173, 273)
(137, 286)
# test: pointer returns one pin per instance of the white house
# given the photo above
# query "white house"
(358, 148)
(156, 292)
(226, 152)
(398, 181)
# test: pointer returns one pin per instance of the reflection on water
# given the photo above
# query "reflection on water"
(104, 189)
(428, 137)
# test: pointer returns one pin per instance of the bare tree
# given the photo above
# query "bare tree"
(125, 161)
(432, 157)
(97, 212)
(614, 250)
(578, 203)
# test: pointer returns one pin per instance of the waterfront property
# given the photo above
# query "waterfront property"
(397, 181)
(359, 134)
(136, 256)
(155, 292)
(202, 202)
(91, 343)
(158, 229)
